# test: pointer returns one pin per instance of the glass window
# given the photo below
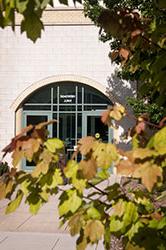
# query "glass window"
(42, 95)
(91, 95)
(67, 93)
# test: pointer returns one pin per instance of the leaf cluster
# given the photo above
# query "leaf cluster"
(31, 12)
(94, 207)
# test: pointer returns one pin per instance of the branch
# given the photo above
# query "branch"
(155, 44)
(98, 189)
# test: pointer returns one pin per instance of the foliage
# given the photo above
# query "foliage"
(31, 12)
(94, 209)
(132, 212)
(155, 112)
(137, 34)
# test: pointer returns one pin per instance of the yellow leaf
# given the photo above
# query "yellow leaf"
(119, 208)
(85, 144)
(2, 190)
(14, 204)
(117, 112)
(30, 147)
(149, 174)
(94, 230)
(79, 184)
(104, 154)
(71, 169)
(41, 167)
(75, 223)
(88, 168)
(142, 153)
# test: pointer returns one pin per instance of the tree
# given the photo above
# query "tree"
(31, 12)
(137, 34)
(130, 213)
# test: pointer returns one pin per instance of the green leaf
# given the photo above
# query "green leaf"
(13, 205)
(64, 208)
(74, 202)
(131, 214)
(53, 144)
(93, 213)
(32, 25)
(115, 225)
(44, 195)
(56, 179)
(65, 2)
(79, 184)
(34, 207)
(71, 204)
(160, 141)
(21, 5)
(71, 169)
(45, 3)
(25, 186)
(134, 230)
(158, 224)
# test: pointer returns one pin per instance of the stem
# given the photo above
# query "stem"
(155, 44)
(98, 189)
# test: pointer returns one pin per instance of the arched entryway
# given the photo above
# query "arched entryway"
(77, 107)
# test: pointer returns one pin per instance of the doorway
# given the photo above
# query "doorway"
(76, 106)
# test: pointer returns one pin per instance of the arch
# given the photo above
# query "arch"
(53, 79)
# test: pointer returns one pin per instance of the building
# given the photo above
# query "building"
(62, 76)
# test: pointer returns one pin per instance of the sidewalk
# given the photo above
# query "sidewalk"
(23, 231)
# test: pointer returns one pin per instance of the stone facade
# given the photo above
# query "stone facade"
(69, 46)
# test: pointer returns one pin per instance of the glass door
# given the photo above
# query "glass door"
(35, 117)
(93, 126)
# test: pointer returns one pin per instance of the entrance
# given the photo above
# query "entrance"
(95, 127)
(76, 107)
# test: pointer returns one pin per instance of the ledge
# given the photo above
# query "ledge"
(59, 16)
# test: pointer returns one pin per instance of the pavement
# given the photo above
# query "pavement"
(22, 231)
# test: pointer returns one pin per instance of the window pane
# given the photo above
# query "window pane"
(67, 93)
(54, 125)
(67, 108)
(42, 95)
(37, 107)
(93, 96)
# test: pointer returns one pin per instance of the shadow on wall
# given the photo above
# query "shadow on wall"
(118, 90)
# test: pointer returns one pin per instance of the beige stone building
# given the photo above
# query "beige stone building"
(62, 76)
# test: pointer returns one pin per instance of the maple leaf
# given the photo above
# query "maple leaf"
(142, 153)
(124, 53)
(94, 230)
(117, 112)
(44, 124)
(2, 190)
(71, 169)
(125, 167)
(105, 117)
(41, 167)
(88, 168)
(104, 154)
(30, 147)
(114, 54)
(119, 208)
(75, 223)
(85, 144)
(11, 146)
(16, 157)
(149, 174)
(140, 127)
